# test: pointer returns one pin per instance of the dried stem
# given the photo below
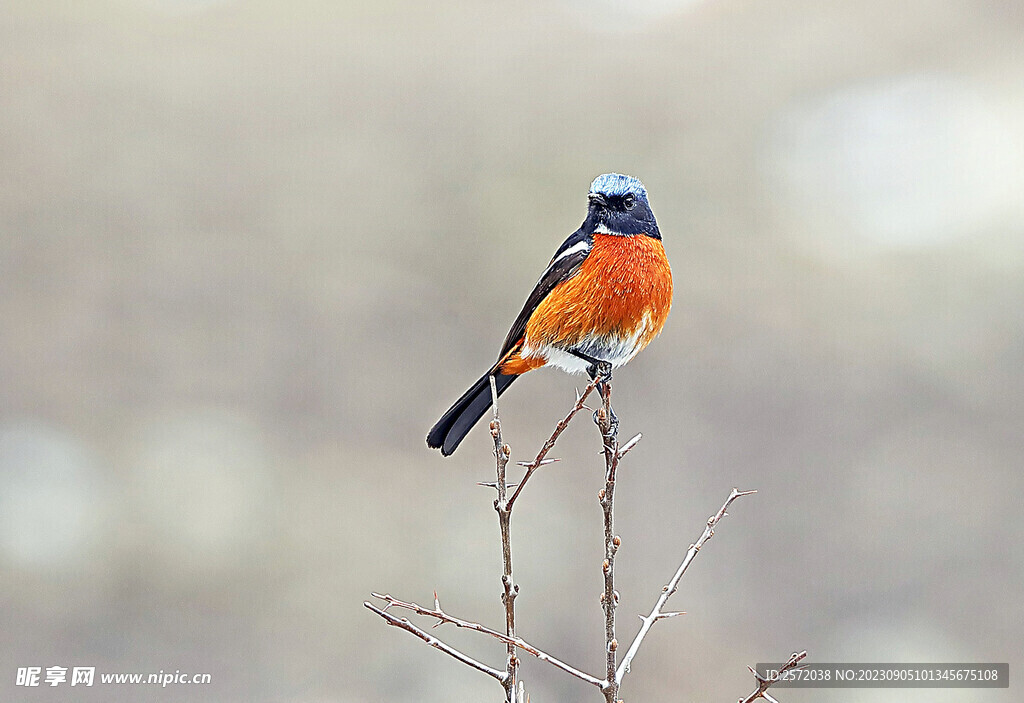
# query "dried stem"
(666, 592)
(514, 690)
(443, 617)
(509, 588)
(503, 504)
(606, 422)
(581, 399)
(438, 644)
(766, 682)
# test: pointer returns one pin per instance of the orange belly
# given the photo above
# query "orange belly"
(618, 300)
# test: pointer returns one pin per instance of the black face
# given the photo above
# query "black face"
(626, 215)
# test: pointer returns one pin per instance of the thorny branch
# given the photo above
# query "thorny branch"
(666, 592)
(581, 399)
(445, 618)
(436, 643)
(503, 506)
(613, 453)
(509, 588)
(766, 682)
(609, 426)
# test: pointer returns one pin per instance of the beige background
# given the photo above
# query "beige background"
(249, 251)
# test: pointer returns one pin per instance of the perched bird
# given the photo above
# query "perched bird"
(604, 296)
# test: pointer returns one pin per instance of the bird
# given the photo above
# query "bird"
(604, 296)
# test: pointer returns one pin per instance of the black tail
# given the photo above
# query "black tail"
(455, 424)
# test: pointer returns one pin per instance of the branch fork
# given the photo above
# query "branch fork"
(506, 496)
(766, 682)
(444, 618)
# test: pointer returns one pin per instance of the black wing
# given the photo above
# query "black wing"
(564, 265)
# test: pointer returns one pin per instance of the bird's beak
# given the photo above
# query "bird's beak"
(597, 199)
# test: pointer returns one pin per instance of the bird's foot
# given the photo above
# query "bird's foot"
(600, 371)
(613, 421)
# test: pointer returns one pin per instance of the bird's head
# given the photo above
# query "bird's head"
(618, 205)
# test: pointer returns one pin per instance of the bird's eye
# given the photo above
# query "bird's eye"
(629, 201)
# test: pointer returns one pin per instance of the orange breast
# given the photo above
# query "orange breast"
(623, 289)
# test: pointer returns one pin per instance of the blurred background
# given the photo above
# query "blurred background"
(250, 251)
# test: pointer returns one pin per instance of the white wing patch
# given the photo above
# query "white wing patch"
(574, 249)
(579, 246)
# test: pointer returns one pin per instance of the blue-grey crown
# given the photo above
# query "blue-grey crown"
(613, 184)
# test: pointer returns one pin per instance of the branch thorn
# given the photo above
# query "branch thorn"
(542, 462)
(671, 614)
(494, 484)
(630, 444)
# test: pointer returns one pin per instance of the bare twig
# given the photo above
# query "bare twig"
(503, 506)
(666, 593)
(613, 452)
(581, 399)
(437, 644)
(443, 618)
(766, 682)
(606, 422)
(504, 509)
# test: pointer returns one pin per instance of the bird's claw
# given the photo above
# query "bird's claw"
(600, 371)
